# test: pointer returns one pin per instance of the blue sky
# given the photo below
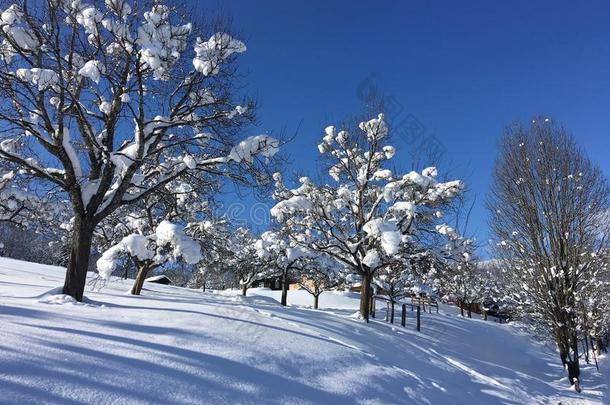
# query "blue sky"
(464, 71)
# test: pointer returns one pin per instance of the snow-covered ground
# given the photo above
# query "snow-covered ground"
(175, 345)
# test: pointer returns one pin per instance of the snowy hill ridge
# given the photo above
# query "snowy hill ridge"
(175, 345)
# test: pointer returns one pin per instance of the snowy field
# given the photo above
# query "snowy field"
(175, 345)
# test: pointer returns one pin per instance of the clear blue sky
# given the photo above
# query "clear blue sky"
(464, 71)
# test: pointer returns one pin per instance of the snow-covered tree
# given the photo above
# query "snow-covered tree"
(32, 221)
(467, 284)
(361, 217)
(149, 250)
(278, 251)
(14, 202)
(461, 279)
(318, 274)
(177, 203)
(213, 236)
(22, 206)
(111, 101)
(546, 202)
(396, 279)
(244, 262)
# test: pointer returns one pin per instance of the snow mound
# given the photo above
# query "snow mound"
(57, 297)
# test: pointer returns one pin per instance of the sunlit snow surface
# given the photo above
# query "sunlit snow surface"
(174, 345)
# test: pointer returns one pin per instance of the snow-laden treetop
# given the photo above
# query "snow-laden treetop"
(111, 101)
(367, 211)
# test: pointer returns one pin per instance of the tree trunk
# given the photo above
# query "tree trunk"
(586, 348)
(80, 251)
(315, 301)
(484, 315)
(284, 288)
(365, 297)
(469, 310)
(392, 313)
(563, 355)
(461, 308)
(244, 288)
(140, 277)
(574, 366)
(574, 373)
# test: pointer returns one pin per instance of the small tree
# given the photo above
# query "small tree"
(280, 254)
(149, 251)
(244, 262)
(461, 278)
(319, 274)
(396, 279)
(212, 235)
(177, 203)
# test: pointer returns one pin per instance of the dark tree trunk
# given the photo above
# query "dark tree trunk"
(484, 315)
(586, 348)
(574, 366)
(80, 251)
(461, 309)
(244, 288)
(567, 343)
(574, 373)
(392, 312)
(365, 297)
(284, 288)
(563, 355)
(140, 277)
(315, 301)
(469, 310)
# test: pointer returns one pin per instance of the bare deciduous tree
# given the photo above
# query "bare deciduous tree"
(545, 206)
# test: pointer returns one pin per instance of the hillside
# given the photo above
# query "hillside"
(175, 345)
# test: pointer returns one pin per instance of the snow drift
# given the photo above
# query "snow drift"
(175, 345)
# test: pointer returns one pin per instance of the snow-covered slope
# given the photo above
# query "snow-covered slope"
(174, 345)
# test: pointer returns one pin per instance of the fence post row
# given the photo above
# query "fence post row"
(403, 314)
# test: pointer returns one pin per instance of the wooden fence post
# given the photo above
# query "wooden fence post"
(418, 316)
(403, 315)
